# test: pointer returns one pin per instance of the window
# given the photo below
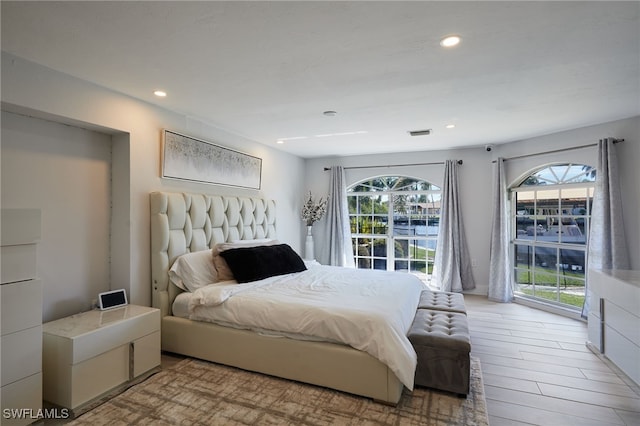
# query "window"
(394, 224)
(551, 216)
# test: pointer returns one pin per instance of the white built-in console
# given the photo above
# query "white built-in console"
(21, 317)
(614, 318)
(89, 354)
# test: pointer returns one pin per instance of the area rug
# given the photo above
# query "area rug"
(195, 392)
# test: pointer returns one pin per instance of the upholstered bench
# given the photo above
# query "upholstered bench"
(442, 301)
(441, 340)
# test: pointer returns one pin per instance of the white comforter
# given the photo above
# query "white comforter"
(368, 310)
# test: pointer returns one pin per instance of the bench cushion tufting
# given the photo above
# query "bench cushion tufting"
(440, 329)
(441, 341)
(442, 301)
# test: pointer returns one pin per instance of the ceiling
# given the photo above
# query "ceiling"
(268, 70)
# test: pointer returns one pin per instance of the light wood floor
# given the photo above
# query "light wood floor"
(537, 369)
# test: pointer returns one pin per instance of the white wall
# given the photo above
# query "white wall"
(476, 175)
(65, 172)
(137, 126)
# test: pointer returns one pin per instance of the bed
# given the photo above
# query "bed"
(188, 223)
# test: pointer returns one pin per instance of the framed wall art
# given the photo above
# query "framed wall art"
(187, 158)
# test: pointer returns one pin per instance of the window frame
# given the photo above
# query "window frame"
(565, 247)
(389, 236)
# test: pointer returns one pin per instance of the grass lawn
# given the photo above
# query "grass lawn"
(565, 298)
(545, 276)
(418, 254)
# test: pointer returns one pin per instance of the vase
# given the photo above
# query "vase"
(308, 245)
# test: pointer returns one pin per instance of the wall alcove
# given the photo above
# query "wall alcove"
(77, 174)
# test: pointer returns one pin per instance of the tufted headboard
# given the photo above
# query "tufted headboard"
(183, 223)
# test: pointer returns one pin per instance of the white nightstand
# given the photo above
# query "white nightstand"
(89, 354)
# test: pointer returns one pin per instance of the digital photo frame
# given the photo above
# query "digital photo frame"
(112, 299)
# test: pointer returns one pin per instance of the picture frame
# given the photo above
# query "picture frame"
(196, 160)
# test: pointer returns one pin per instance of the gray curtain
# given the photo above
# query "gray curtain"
(500, 272)
(607, 247)
(338, 250)
(452, 265)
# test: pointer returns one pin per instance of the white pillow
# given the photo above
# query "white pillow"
(224, 273)
(193, 270)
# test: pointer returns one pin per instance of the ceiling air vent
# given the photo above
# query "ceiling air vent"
(420, 132)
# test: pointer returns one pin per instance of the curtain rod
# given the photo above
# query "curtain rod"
(556, 151)
(393, 165)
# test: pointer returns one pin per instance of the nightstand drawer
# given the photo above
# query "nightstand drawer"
(92, 344)
(89, 334)
(146, 353)
(94, 376)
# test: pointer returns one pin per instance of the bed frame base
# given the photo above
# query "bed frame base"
(335, 366)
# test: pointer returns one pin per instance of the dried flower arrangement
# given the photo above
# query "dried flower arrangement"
(313, 211)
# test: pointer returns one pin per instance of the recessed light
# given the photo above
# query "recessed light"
(160, 93)
(280, 142)
(450, 41)
(330, 113)
(450, 126)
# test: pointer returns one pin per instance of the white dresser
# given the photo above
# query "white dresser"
(88, 354)
(21, 316)
(614, 318)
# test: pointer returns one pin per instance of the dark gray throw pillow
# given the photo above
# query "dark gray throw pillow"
(256, 263)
